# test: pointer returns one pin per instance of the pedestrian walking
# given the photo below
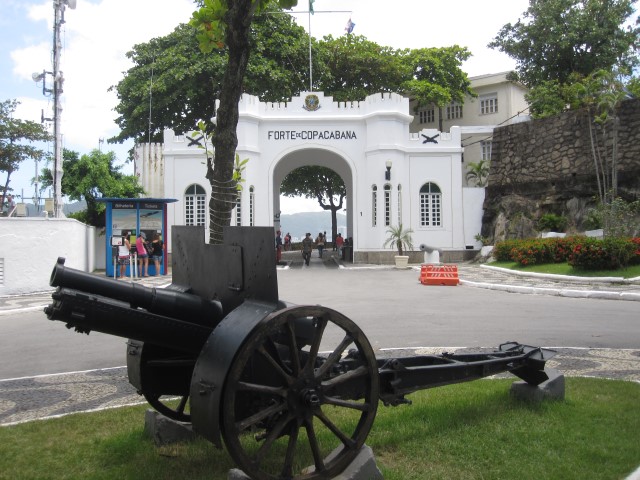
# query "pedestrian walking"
(307, 247)
(320, 243)
(338, 244)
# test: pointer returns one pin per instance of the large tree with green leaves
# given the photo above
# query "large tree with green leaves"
(558, 38)
(16, 138)
(321, 184)
(91, 177)
(435, 76)
(173, 84)
(351, 67)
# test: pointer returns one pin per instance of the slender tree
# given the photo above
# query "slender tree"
(16, 137)
(227, 23)
(321, 184)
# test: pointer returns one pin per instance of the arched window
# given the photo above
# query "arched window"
(238, 209)
(195, 201)
(387, 205)
(399, 204)
(252, 205)
(430, 205)
(374, 205)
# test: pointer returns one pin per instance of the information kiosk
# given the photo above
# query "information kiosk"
(126, 217)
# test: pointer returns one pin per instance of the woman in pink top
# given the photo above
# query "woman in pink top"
(143, 256)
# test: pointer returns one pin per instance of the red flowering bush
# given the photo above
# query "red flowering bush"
(635, 259)
(531, 252)
(543, 250)
(502, 250)
(607, 254)
(580, 252)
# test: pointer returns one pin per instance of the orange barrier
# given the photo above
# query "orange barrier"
(439, 275)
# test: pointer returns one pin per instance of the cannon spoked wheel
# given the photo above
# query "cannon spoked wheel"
(170, 406)
(291, 412)
(162, 376)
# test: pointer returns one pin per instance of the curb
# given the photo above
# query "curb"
(593, 294)
(565, 278)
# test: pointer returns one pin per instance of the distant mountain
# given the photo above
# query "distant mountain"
(297, 224)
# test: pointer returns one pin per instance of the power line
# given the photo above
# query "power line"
(517, 114)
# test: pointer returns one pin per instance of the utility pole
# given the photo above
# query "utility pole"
(59, 7)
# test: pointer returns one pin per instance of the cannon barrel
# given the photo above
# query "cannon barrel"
(88, 312)
(167, 302)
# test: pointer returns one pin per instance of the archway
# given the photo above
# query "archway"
(317, 157)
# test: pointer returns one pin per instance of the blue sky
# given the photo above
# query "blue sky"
(98, 33)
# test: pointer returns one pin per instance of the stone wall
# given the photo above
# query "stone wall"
(546, 166)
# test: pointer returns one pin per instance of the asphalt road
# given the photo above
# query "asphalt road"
(390, 306)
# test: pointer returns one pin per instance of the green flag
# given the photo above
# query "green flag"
(311, 6)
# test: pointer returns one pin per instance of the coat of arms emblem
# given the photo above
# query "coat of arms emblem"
(311, 103)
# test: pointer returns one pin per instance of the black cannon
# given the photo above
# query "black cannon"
(283, 386)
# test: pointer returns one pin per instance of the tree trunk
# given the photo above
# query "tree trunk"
(225, 139)
(334, 225)
(5, 191)
(594, 153)
(614, 156)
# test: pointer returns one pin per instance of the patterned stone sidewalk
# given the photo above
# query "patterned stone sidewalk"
(32, 398)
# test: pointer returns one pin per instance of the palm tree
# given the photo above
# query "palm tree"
(399, 237)
(479, 172)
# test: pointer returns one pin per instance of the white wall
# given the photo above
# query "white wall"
(473, 199)
(30, 247)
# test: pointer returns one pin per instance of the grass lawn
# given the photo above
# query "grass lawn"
(468, 431)
(565, 269)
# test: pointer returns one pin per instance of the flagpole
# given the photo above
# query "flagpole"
(310, 12)
(310, 59)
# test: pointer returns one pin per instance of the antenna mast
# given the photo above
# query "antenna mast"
(58, 80)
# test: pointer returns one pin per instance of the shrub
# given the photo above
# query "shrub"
(502, 250)
(531, 252)
(635, 259)
(552, 223)
(562, 247)
(607, 254)
(542, 250)
(580, 252)
(618, 218)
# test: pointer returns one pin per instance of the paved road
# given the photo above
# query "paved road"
(391, 306)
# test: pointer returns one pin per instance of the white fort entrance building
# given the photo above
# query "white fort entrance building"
(392, 176)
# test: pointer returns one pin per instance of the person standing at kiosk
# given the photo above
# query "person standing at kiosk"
(143, 256)
(123, 254)
(157, 249)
